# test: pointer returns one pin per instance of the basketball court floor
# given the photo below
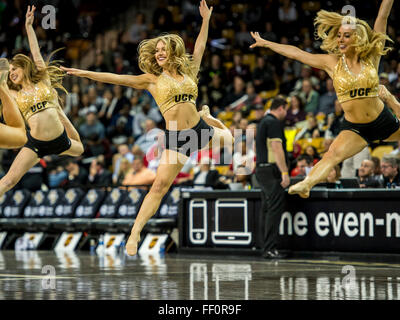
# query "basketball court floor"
(49, 275)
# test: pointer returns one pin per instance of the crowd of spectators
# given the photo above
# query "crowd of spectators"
(121, 128)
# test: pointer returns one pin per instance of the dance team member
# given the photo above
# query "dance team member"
(49, 131)
(170, 75)
(353, 54)
(12, 133)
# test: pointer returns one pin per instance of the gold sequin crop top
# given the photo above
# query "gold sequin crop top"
(169, 92)
(44, 97)
(351, 86)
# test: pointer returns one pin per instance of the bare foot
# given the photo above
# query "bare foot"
(300, 188)
(132, 245)
(205, 111)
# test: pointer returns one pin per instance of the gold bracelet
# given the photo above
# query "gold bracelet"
(283, 173)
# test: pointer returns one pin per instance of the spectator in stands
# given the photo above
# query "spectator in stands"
(304, 164)
(384, 80)
(98, 174)
(96, 147)
(242, 176)
(149, 136)
(117, 103)
(366, 175)
(144, 112)
(258, 114)
(295, 113)
(269, 34)
(84, 105)
(72, 99)
(77, 175)
(287, 15)
(139, 175)
(309, 96)
(215, 68)
(244, 157)
(237, 95)
(114, 47)
(243, 38)
(327, 100)
(241, 180)
(253, 98)
(123, 153)
(215, 94)
(76, 119)
(120, 132)
(312, 152)
(350, 165)
(137, 31)
(138, 153)
(162, 17)
(263, 75)
(310, 130)
(106, 101)
(334, 121)
(377, 170)
(243, 123)
(57, 176)
(124, 168)
(204, 176)
(288, 78)
(99, 64)
(120, 66)
(390, 171)
(305, 74)
(91, 126)
(239, 69)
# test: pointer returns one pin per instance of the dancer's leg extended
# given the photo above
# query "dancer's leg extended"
(76, 148)
(24, 160)
(346, 145)
(171, 164)
(13, 134)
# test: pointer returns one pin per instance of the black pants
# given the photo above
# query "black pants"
(43, 148)
(189, 140)
(378, 130)
(272, 205)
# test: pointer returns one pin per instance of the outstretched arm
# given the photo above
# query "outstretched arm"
(201, 40)
(33, 43)
(383, 15)
(390, 100)
(321, 61)
(137, 82)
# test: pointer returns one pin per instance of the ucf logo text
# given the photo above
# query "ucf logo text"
(39, 106)
(361, 92)
(183, 97)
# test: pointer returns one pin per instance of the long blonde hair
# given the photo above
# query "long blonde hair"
(35, 75)
(179, 60)
(368, 43)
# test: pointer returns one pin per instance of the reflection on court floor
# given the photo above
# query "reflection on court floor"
(47, 275)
